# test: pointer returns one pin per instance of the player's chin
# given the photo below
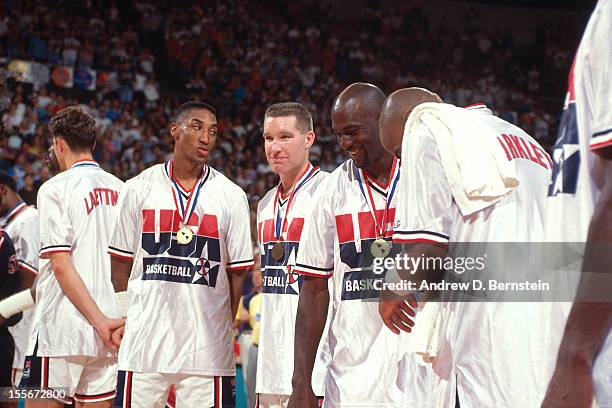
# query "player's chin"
(279, 167)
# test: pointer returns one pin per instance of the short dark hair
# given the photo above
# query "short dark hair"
(303, 119)
(75, 126)
(8, 181)
(189, 106)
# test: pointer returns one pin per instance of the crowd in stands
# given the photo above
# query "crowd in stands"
(241, 57)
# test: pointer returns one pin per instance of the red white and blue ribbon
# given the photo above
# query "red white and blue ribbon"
(185, 209)
(280, 223)
(362, 179)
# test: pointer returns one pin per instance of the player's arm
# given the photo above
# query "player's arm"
(236, 281)
(588, 322)
(76, 291)
(315, 260)
(309, 324)
(398, 311)
(239, 249)
(424, 212)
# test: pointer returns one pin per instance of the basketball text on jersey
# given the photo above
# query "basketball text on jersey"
(194, 263)
(278, 275)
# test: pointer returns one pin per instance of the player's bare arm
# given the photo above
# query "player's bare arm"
(120, 273)
(310, 322)
(75, 290)
(588, 322)
(236, 280)
(397, 314)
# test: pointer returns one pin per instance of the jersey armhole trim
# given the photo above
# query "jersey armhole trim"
(27, 266)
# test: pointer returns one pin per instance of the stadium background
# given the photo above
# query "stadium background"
(130, 64)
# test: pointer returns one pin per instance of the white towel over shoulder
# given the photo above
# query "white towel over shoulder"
(478, 172)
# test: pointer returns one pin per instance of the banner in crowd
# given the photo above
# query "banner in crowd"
(59, 75)
(29, 72)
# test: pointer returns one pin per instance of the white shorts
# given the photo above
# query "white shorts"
(150, 390)
(276, 401)
(83, 378)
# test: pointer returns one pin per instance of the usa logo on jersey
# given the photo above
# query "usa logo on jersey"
(278, 276)
(566, 153)
(194, 263)
(358, 283)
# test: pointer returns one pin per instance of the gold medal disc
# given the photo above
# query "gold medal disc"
(380, 248)
(278, 252)
(184, 235)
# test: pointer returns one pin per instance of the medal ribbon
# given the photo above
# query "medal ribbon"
(185, 210)
(362, 178)
(280, 223)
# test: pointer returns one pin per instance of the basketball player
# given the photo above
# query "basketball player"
(351, 219)
(20, 221)
(179, 254)
(288, 135)
(70, 346)
(581, 193)
(491, 353)
(9, 283)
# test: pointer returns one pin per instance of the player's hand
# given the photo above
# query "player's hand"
(117, 336)
(105, 328)
(571, 386)
(397, 314)
(303, 397)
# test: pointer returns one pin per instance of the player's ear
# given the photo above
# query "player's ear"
(174, 130)
(310, 138)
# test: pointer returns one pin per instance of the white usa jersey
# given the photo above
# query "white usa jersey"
(21, 223)
(77, 210)
(585, 128)
(493, 354)
(183, 289)
(336, 244)
(281, 289)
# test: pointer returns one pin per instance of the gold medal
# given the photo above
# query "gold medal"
(278, 252)
(380, 248)
(184, 235)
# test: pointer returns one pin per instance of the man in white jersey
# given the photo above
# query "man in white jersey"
(288, 135)
(70, 347)
(491, 353)
(351, 221)
(581, 194)
(179, 253)
(20, 221)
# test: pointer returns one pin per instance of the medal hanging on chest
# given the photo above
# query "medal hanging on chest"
(380, 248)
(277, 248)
(185, 209)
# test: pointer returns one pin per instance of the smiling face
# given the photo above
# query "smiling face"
(195, 135)
(356, 129)
(286, 147)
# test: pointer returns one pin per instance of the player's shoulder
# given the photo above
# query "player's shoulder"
(267, 199)
(29, 214)
(146, 178)
(54, 184)
(224, 185)
(341, 175)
